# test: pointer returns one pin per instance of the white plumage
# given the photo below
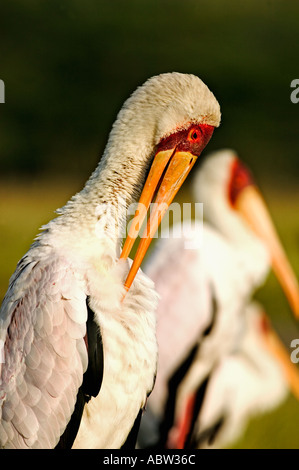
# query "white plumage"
(187, 279)
(187, 282)
(205, 291)
(72, 271)
(249, 381)
(45, 354)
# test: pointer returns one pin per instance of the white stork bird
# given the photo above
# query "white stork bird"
(204, 291)
(253, 379)
(80, 356)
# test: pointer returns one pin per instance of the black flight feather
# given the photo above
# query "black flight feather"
(130, 442)
(92, 379)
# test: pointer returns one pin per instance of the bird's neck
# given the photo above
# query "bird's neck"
(254, 253)
(98, 214)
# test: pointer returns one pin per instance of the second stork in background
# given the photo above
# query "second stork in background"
(206, 280)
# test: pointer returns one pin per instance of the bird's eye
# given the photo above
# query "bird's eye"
(194, 135)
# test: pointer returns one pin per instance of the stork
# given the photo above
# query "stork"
(205, 280)
(80, 351)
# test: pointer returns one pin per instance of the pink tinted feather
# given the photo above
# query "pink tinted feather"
(45, 355)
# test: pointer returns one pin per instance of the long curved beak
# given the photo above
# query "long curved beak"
(252, 207)
(167, 174)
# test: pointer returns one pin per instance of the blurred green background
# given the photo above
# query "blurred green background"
(69, 65)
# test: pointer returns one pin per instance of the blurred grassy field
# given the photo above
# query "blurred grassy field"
(27, 204)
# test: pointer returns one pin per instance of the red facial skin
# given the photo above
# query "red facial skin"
(193, 140)
(240, 179)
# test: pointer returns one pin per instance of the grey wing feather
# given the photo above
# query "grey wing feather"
(42, 327)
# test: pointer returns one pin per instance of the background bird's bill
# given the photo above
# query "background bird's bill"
(252, 207)
(169, 170)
